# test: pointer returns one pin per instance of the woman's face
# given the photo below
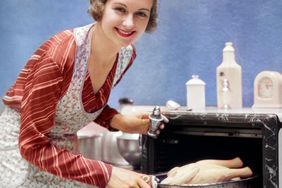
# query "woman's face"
(124, 21)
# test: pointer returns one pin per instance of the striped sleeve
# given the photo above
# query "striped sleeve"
(104, 119)
(48, 72)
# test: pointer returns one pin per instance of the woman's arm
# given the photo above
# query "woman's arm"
(43, 89)
(130, 124)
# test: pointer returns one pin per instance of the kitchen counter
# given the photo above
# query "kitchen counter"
(135, 110)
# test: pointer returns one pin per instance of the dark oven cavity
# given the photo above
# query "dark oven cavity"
(187, 140)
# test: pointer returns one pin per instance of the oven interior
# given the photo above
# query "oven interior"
(180, 145)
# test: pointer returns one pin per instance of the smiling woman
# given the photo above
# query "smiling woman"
(125, 19)
(65, 85)
(97, 6)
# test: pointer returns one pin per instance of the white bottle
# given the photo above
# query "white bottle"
(229, 80)
(196, 99)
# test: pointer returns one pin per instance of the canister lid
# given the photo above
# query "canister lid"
(228, 47)
(195, 81)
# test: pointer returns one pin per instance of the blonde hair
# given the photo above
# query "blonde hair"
(96, 9)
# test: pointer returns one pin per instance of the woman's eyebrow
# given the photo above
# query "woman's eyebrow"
(120, 4)
(144, 9)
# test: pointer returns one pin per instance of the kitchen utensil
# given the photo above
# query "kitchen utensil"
(156, 119)
(90, 146)
(111, 153)
(268, 90)
(125, 101)
(130, 148)
(251, 182)
(170, 104)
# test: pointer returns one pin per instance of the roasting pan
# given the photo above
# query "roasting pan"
(251, 182)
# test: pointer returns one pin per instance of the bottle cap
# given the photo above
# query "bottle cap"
(195, 81)
(228, 47)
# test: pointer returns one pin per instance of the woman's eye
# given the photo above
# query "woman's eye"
(142, 14)
(120, 10)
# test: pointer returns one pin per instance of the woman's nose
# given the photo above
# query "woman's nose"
(128, 21)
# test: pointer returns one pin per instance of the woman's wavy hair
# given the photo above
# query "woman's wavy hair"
(96, 9)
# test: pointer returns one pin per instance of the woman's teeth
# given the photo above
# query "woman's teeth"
(125, 33)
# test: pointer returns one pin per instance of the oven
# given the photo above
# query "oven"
(193, 136)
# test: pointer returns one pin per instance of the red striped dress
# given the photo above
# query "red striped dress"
(37, 96)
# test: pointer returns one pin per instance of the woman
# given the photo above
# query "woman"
(65, 85)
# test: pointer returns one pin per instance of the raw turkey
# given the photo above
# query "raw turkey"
(208, 171)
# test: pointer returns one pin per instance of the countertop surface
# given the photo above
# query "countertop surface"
(136, 110)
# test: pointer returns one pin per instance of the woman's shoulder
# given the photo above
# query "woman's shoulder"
(60, 48)
(61, 42)
(65, 43)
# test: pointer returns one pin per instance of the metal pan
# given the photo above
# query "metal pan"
(252, 182)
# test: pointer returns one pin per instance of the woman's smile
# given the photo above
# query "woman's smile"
(124, 33)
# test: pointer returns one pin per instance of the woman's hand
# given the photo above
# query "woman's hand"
(130, 124)
(160, 127)
(123, 178)
(133, 124)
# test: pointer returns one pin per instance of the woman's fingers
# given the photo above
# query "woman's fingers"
(146, 178)
(126, 178)
(143, 116)
(144, 182)
(165, 119)
(162, 126)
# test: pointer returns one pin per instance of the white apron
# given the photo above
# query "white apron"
(70, 117)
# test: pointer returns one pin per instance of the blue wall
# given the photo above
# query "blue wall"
(189, 40)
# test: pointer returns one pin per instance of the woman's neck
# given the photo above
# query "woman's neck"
(102, 49)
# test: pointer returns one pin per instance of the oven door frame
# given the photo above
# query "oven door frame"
(266, 126)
